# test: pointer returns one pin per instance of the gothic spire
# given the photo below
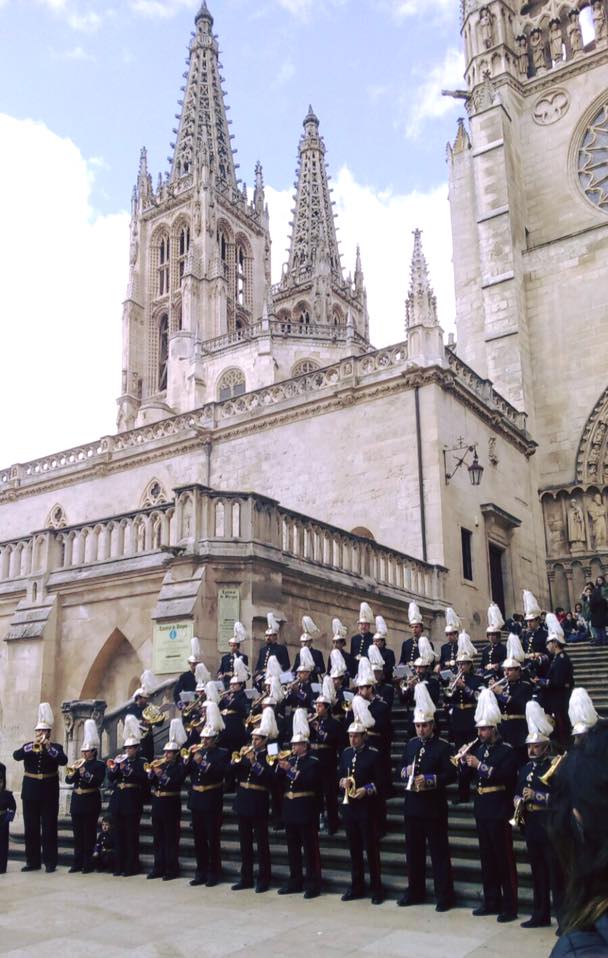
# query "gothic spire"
(203, 130)
(421, 303)
(313, 226)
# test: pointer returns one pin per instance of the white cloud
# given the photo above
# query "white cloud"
(382, 223)
(163, 9)
(83, 16)
(61, 310)
(74, 53)
(427, 102)
(285, 72)
(415, 8)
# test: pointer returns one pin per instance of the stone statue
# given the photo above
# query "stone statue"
(537, 45)
(556, 536)
(486, 29)
(522, 55)
(197, 218)
(574, 33)
(597, 520)
(556, 41)
(600, 25)
(576, 524)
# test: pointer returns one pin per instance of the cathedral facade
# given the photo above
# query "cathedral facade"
(268, 457)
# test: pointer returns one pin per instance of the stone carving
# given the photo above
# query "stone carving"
(556, 41)
(575, 37)
(557, 539)
(484, 95)
(597, 522)
(576, 525)
(593, 160)
(154, 494)
(522, 55)
(600, 24)
(551, 108)
(56, 518)
(537, 46)
(486, 28)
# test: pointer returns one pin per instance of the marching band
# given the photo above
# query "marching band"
(312, 748)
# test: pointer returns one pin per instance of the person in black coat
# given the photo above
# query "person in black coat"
(492, 656)
(103, 854)
(234, 707)
(327, 739)
(427, 771)
(271, 647)
(339, 645)
(512, 699)
(461, 698)
(166, 776)
(409, 647)
(491, 766)
(299, 776)
(557, 687)
(129, 782)
(207, 768)
(226, 669)
(598, 613)
(40, 793)
(300, 694)
(361, 641)
(534, 642)
(7, 813)
(254, 777)
(360, 781)
(186, 682)
(85, 803)
(319, 664)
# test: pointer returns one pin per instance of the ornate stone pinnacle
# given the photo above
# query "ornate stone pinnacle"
(421, 303)
(203, 13)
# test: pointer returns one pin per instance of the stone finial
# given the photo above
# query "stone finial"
(462, 141)
(203, 14)
(421, 303)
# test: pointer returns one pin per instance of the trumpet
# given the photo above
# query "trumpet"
(350, 789)
(39, 739)
(253, 720)
(189, 709)
(499, 684)
(280, 757)
(555, 764)
(452, 686)
(518, 813)
(242, 753)
(113, 762)
(70, 769)
(455, 759)
(154, 764)
(187, 753)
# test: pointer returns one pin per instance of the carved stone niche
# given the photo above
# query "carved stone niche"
(555, 526)
(595, 508)
(575, 524)
(75, 713)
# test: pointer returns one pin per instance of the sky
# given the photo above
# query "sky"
(86, 83)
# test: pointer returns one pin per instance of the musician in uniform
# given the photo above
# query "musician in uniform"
(309, 630)
(299, 694)
(582, 714)
(382, 689)
(128, 777)
(532, 806)
(559, 682)
(40, 792)
(299, 776)
(234, 706)
(271, 647)
(167, 776)
(339, 646)
(427, 771)
(494, 654)
(534, 638)
(409, 647)
(449, 649)
(326, 741)
(254, 778)
(380, 736)
(187, 680)
(423, 670)
(491, 765)
(360, 781)
(361, 641)
(461, 699)
(512, 694)
(379, 642)
(137, 708)
(207, 766)
(87, 777)
(227, 663)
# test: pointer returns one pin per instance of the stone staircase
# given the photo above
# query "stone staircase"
(591, 670)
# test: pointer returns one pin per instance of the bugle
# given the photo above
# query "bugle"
(349, 789)
(70, 769)
(241, 754)
(555, 764)
(518, 813)
(279, 757)
(452, 686)
(455, 759)
(155, 764)
(113, 762)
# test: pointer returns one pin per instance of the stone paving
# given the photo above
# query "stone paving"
(97, 916)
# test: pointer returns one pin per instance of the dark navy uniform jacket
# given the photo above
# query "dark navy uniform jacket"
(493, 655)
(536, 817)
(130, 787)
(430, 758)
(449, 651)
(185, 683)
(87, 781)
(359, 644)
(165, 791)
(365, 767)
(461, 705)
(207, 780)
(254, 781)
(301, 785)
(497, 773)
(41, 770)
(513, 702)
(326, 740)
(319, 669)
(273, 648)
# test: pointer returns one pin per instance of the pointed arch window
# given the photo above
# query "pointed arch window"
(231, 384)
(163, 351)
(163, 266)
(303, 314)
(240, 275)
(222, 242)
(182, 254)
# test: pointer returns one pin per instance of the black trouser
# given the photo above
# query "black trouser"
(434, 831)
(304, 837)
(464, 779)
(206, 827)
(362, 835)
(126, 839)
(329, 797)
(498, 872)
(3, 847)
(85, 834)
(165, 835)
(248, 828)
(39, 815)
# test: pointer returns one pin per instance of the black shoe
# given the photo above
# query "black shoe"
(74, 869)
(212, 882)
(49, 869)
(407, 899)
(88, 870)
(535, 923)
(261, 887)
(377, 899)
(31, 868)
(289, 890)
(351, 895)
(482, 910)
(196, 881)
(170, 877)
(312, 893)
(444, 905)
(116, 874)
(151, 875)
(242, 884)
(506, 916)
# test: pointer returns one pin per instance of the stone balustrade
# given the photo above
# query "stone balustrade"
(485, 391)
(113, 721)
(280, 330)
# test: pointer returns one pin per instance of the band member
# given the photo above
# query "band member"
(40, 792)
(103, 853)
(128, 777)
(299, 694)
(272, 647)
(167, 775)
(141, 698)
(409, 647)
(300, 778)
(207, 766)
(226, 669)
(495, 653)
(254, 778)
(360, 781)
(7, 813)
(581, 713)
(461, 698)
(492, 766)
(187, 680)
(449, 649)
(326, 741)
(513, 694)
(380, 734)
(87, 777)
(423, 669)
(379, 641)
(339, 672)
(193, 713)
(309, 630)
(382, 690)
(339, 646)
(427, 771)
(558, 684)
(360, 643)
(234, 706)
(532, 804)
(534, 638)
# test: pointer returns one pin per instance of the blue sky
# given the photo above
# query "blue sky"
(101, 79)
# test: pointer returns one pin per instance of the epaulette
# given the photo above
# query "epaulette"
(508, 745)
(444, 740)
(372, 749)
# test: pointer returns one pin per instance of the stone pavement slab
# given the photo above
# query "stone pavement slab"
(97, 916)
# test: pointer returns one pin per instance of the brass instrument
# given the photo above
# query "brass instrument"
(189, 709)
(70, 769)
(350, 789)
(152, 715)
(455, 759)
(279, 757)
(555, 764)
(409, 681)
(499, 684)
(242, 753)
(253, 720)
(195, 723)
(39, 739)
(518, 813)
(452, 686)
(113, 762)
(155, 764)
